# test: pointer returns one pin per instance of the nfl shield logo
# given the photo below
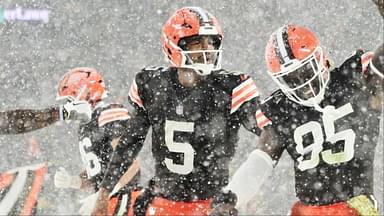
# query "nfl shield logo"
(179, 109)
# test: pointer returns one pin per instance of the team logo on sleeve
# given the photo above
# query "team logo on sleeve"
(242, 93)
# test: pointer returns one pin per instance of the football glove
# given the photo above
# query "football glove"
(76, 110)
(63, 179)
(363, 205)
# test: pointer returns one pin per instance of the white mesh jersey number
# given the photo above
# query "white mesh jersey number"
(179, 147)
(330, 115)
(90, 159)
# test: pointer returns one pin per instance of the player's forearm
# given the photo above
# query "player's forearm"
(122, 158)
(21, 121)
(247, 180)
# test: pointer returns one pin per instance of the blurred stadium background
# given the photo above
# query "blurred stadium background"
(42, 39)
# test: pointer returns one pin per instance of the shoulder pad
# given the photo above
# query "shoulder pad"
(114, 112)
(235, 73)
(150, 72)
(354, 55)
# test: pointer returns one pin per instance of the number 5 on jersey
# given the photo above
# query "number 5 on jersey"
(179, 147)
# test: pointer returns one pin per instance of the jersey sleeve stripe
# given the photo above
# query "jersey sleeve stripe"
(112, 115)
(134, 94)
(365, 59)
(113, 110)
(262, 120)
(249, 96)
(244, 91)
(112, 118)
(243, 87)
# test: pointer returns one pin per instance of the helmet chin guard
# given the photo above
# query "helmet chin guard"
(296, 62)
(206, 67)
(305, 81)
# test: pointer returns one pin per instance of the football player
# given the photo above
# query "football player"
(26, 120)
(326, 119)
(195, 109)
(96, 137)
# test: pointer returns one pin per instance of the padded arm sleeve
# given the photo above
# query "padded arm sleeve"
(248, 179)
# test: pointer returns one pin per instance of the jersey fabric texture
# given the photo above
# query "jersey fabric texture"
(95, 138)
(194, 130)
(333, 151)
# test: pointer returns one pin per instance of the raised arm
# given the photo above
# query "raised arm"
(25, 120)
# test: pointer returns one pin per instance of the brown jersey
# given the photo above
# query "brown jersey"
(333, 151)
(194, 130)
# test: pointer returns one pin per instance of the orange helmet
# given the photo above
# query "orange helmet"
(83, 83)
(296, 62)
(191, 22)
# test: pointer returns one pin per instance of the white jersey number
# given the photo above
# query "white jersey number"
(90, 159)
(330, 115)
(178, 147)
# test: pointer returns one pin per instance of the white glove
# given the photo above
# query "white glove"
(63, 179)
(88, 203)
(76, 110)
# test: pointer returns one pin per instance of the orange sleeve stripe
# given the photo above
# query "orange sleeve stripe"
(243, 89)
(6, 179)
(135, 100)
(113, 110)
(366, 56)
(134, 94)
(261, 119)
(32, 196)
(365, 59)
(112, 118)
(250, 95)
(263, 123)
(108, 116)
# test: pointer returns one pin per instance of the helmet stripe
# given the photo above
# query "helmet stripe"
(276, 48)
(201, 14)
(283, 46)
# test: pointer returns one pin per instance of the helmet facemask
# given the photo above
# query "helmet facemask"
(304, 81)
(203, 62)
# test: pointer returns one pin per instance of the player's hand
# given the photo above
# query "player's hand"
(88, 203)
(63, 179)
(224, 204)
(101, 203)
(76, 110)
